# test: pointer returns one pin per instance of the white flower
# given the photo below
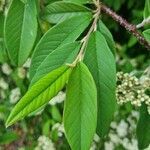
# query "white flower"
(96, 138)
(14, 95)
(125, 142)
(135, 114)
(58, 99)
(60, 128)
(132, 146)
(114, 138)
(113, 125)
(6, 69)
(122, 128)
(109, 146)
(3, 84)
(44, 143)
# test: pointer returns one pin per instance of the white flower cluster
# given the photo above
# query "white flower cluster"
(120, 133)
(95, 142)
(45, 143)
(59, 98)
(60, 128)
(131, 89)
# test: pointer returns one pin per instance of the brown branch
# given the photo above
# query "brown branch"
(128, 26)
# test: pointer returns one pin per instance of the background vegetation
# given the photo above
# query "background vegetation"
(44, 130)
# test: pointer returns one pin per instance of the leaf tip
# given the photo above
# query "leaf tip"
(9, 122)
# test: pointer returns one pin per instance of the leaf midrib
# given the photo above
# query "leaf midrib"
(67, 12)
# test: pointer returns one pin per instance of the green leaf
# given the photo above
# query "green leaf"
(8, 137)
(62, 55)
(20, 30)
(79, 1)
(56, 114)
(59, 11)
(146, 12)
(143, 128)
(39, 94)
(108, 36)
(101, 63)
(3, 53)
(147, 34)
(50, 1)
(80, 110)
(63, 33)
(1, 24)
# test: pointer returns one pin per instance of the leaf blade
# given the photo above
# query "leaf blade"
(146, 34)
(146, 12)
(19, 38)
(63, 33)
(80, 110)
(62, 55)
(143, 128)
(108, 36)
(60, 11)
(103, 71)
(40, 93)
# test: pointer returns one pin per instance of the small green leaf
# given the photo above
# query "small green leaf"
(147, 9)
(143, 128)
(63, 33)
(147, 34)
(59, 11)
(79, 1)
(108, 36)
(80, 110)
(20, 30)
(62, 55)
(101, 63)
(39, 94)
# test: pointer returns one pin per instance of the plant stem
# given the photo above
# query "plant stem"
(128, 26)
(86, 38)
(143, 23)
